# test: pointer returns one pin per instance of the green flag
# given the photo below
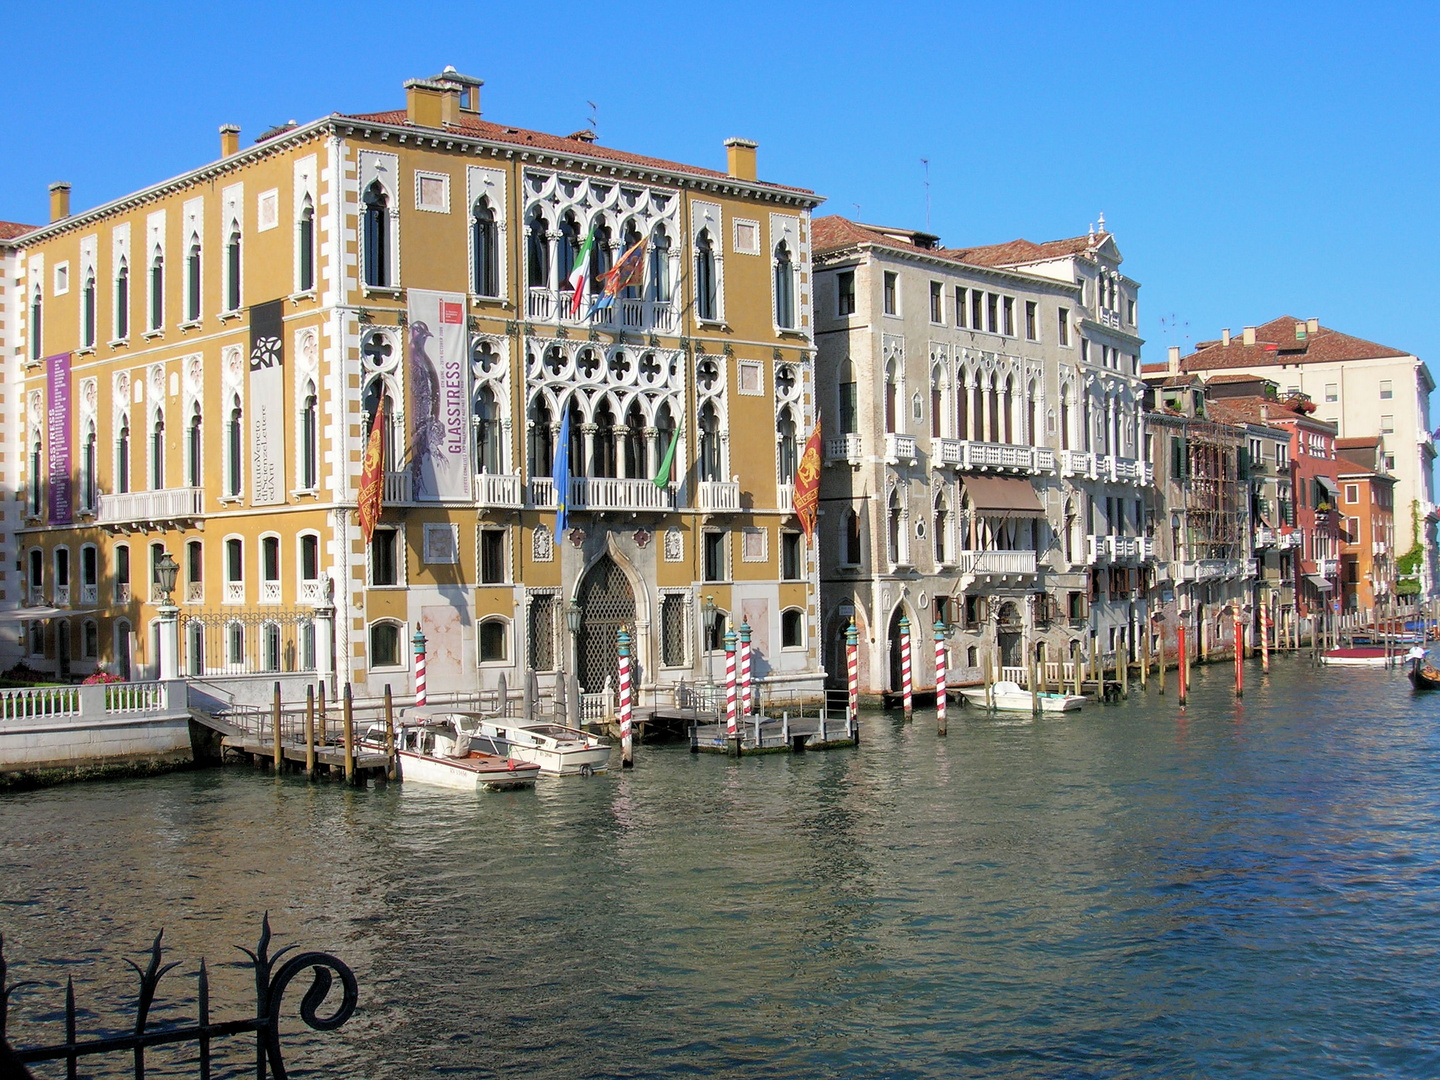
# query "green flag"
(663, 476)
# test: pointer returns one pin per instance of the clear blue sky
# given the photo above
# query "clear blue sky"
(1252, 161)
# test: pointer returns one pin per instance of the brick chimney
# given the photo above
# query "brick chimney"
(1248, 335)
(59, 200)
(1225, 336)
(229, 139)
(740, 159)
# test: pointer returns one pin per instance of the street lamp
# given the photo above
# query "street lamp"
(572, 623)
(712, 619)
(165, 570)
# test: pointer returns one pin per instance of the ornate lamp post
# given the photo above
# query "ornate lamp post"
(712, 620)
(169, 659)
(572, 623)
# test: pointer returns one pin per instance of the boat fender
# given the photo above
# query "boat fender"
(510, 764)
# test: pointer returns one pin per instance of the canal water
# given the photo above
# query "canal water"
(1131, 891)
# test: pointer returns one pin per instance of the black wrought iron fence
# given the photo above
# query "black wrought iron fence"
(272, 978)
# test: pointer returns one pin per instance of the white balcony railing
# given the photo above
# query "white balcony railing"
(785, 497)
(546, 305)
(1216, 569)
(1379, 547)
(141, 507)
(1327, 568)
(1078, 463)
(717, 496)
(234, 592)
(540, 304)
(968, 455)
(542, 493)
(843, 448)
(1265, 537)
(62, 596)
(269, 592)
(1110, 318)
(496, 491)
(1290, 540)
(89, 594)
(397, 487)
(1123, 470)
(996, 562)
(899, 448)
(612, 493)
(310, 592)
(122, 592)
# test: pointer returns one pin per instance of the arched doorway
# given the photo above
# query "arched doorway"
(1008, 637)
(896, 677)
(606, 604)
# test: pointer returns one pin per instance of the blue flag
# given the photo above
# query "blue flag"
(561, 474)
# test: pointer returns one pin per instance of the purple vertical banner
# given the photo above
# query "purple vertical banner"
(57, 400)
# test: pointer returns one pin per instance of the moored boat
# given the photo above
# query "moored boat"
(1008, 696)
(558, 750)
(1358, 656)
(434, 750)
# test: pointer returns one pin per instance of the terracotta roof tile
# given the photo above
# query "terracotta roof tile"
(484, 129)
(9, 230)
(1275, 344)
(1258, 410)
(1021, 252)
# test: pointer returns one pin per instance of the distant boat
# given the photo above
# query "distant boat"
(1360, 656)
(432, 749)
(1012, 697)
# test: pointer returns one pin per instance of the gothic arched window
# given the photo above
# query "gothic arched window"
(784, 287)
(486, 275)
(375, 238)
(705, 292)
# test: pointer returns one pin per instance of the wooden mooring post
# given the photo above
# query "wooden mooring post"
(310, 732)
(324, 736)
(275, 724)
(1160, 652)
(349, 716)
(389, 735)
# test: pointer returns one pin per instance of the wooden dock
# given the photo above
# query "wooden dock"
(774, 735)
(330, 757)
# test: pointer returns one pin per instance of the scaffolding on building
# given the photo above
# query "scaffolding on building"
(1215, 516)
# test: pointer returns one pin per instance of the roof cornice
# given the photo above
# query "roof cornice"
(577, 161)
(861, 247)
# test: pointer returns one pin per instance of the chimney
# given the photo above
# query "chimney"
(59, 200)
(467, 89)
(1312, 326)
(1225, 336)
(431, 104)
(1249, 335)
(1174, 359)
(229, 139)
(740, 158)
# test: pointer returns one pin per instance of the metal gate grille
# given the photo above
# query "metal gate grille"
(606, 604)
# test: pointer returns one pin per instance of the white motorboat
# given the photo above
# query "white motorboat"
(1012, 697)
(557, 749)
(434, 750)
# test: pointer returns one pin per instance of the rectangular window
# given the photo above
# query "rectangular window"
(1332, 391)
(791, 563)
(542, 633)
(1387, 425)
(1387, 390)
(1009, 309)
(492, 556)
(1084, 350)
(892, 299)
(1282, 456)
(1130, 312)
(1032, 324)
(937, 302)
(960, 306)
(714, 556)
(673, 631)
(384, 556)
(309, 557)
(992, 313)
(977, 308)
(1389, 462)
(1063, 326)
(845, 295)
(1352, 493)
(1177, 458)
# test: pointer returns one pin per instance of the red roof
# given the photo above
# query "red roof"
(1021, 252)
(833, 233)
(1275, 343)
(1260, 410)
(484, 129)
(9, 230)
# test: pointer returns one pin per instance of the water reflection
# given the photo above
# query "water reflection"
(1136, 890)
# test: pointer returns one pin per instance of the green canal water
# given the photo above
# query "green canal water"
(1132, 891)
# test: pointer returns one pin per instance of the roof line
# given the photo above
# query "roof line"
(941, 260)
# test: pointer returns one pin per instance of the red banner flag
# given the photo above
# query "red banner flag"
(372, 475)
(807, 484)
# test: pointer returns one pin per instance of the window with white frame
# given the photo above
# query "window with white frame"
(122, 574)
(385, 562)
(890, 292)
(492, 557)
(492, 640)
(385, 638)
(715, 564)
(1387, 389)
(1387, 425)
(194, 572)
(792, 628)
(157, 288)
(270, 569)
(845, 293)
(234, 570)
(674, 630)
(784, 287)
(937, 303)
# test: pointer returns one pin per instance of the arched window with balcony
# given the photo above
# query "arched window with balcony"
(710, 465)
(541, 439)
(1066, 409)
(232, 269)
(234, 448)
(157, 289)
(305, 246)
(1008, 409)
(122, 455)
(604, 440)
(660, 265)
(485, 244)
(977, 411)
(996, 424)
(787, 451)
(309, 437)
(851, 553)
(1030, 434)
(602, 254)
(706, 294)
(157, 452)
(375, 236)
(938, 411)
(664, 436)
(568, 245)
(892, 390)
(192, 280)
(537, 250)
(784, 287)
(579, 460)
(375, 396)
(485, 419)
(636, 459)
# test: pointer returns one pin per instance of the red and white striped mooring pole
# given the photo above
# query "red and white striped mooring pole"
(939, 677)
(626, 758)
(852, 662)
(731, 727)
(418, 641)
(905, 683)
(745, 702)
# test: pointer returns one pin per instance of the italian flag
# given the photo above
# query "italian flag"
(580, 275)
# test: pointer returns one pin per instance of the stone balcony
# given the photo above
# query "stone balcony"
(996, 562)
(1265, 537)
(967, 455)
(497, 492)
(717, 496)
(1327, 568)
(1289, 540)
(785, 498)
(1123, 470)
(1107, 548)
(552, 306)
(900, 448)
(844, 448)
(1078, 463)
(1216, 569)
(604, 494)
(139, 510)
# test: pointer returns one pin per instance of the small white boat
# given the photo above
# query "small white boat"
(1360, 656)
(434, 750)
(1012, 697)
(557, 749)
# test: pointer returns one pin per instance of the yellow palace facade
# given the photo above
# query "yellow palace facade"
(201, 363)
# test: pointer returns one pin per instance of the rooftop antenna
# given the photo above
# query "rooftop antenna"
(856, 205)
(926, 163)
(594, 119)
